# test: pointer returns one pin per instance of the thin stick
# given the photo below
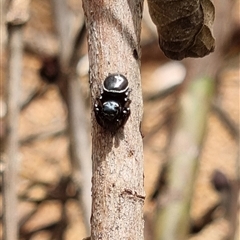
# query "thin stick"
(16, 17)
(11, 170)
(226, 120)
(71, 93)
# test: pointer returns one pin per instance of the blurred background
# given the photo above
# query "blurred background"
(50, 195)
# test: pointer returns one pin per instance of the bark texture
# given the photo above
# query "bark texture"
(117, 185)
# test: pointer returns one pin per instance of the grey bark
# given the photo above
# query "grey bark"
(117, 184)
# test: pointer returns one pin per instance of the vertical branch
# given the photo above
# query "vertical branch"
(80, 146)
(11, 170)
(70, 89)
(62, 21)
(16, 17)
(117, 184)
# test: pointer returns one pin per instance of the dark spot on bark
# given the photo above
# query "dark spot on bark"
(135, 54)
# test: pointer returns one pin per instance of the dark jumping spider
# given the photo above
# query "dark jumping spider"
(112, 107)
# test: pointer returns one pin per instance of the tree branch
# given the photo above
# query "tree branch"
(16, 17)
(117, 185)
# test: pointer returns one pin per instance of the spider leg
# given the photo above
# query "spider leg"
(98, 103)
(125, 113)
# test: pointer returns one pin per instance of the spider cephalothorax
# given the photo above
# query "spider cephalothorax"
(112, 107)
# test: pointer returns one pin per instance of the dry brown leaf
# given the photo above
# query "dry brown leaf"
(184, 27)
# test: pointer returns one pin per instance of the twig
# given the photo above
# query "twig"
(16, 17)
(42, 136)
(58, 192)
(167, 112)
(208, 217)
(226, 120)
(26, 218)
(49, 227)
(34, 95)
(173, 215)
(80, 147)
(163, 94)
(71, 93)
(68, 28)
(40, 43)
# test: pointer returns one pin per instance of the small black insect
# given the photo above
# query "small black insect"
(112, 107)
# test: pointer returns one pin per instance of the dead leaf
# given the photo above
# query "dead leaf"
(184, 27)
